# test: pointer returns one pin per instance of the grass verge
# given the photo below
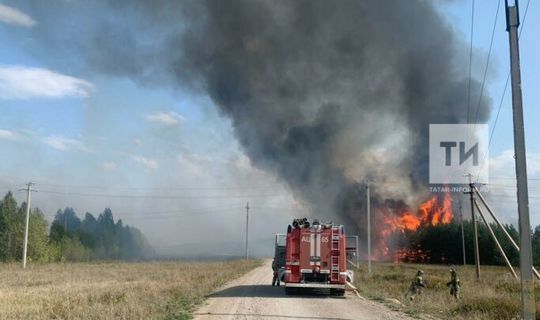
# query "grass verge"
(148, 290)
(496, 296)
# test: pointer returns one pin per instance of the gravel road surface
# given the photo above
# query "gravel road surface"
(252, 297)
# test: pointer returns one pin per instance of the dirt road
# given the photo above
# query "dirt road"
(252, 297)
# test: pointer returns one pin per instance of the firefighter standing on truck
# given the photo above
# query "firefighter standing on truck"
(275, 268)
(417, 285)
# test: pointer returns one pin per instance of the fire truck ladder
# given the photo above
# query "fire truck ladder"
(334, 268)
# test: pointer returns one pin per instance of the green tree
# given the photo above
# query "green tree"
(443, 243)
(65, 222)
(11, 229)
(74, 250)
(107, 231)
(38, 244)
(536, 246)
(89, 231)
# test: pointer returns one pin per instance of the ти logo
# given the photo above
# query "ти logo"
(456, 150)
(448, 145)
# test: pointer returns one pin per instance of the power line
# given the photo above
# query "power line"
(131, 196)
(491, 186)
(278, 208)
(168, 187)
(487, 63)
(8, 187)
(508, 196)
(159, 188)
(187, 214)
(485, 73)
(470, 63)
(512, 178)
(501, 101)
(202, 210)
(507, 78)
(173, 188)
(510, 201)
(180, 211)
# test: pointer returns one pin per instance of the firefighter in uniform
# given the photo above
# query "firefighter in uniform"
(275, 268)
(453, 284)
(417, 285)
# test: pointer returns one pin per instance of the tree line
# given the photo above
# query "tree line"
(442, 243)
(69, 238)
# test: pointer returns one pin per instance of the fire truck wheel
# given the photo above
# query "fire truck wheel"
(337, 292)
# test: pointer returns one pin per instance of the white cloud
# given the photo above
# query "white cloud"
(109, 165)
(149, 163)
(502, 186)
(63, 144)
(503, 164)
(191, 164)
(166, 118)
(13, 16)
(242, 162)
(20, 82)
(8, 135)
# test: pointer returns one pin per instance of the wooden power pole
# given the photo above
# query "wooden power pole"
(247, 230)
(525, 257)
(475, 228)
(462, 233)
(368, 211)
(26, 226)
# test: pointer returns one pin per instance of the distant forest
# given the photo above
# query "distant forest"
(442, 244)
(69, 238)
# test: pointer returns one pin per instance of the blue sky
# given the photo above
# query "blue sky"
(460, 13)
(71, 130)
(502, 190)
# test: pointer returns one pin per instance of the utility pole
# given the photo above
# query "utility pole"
(475, 228)
(368, 207)
(247, 230)
(357, 263)
(501, 250)
(499, 223)
(525, 257)
(28, 192)
(462, 233)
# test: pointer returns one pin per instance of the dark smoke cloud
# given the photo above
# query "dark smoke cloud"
(327, 95)
(324, 94)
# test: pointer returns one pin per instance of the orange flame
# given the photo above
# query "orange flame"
(435, 214)
(429, 213)
(432, 212)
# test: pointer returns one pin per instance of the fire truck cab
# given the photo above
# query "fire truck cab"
(315, 257)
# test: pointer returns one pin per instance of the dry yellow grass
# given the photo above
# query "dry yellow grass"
(496, 296)
(149, 290)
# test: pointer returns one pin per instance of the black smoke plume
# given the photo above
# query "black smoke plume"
(328, 94)
(324, 94)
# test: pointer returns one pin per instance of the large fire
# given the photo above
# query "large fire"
(437, 210)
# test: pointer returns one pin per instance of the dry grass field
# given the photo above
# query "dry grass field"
(147, 290)
(497, 296)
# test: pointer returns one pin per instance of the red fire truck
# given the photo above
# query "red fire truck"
(315, 257)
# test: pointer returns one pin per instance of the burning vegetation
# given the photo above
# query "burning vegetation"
(397, 219)
(434, 211)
